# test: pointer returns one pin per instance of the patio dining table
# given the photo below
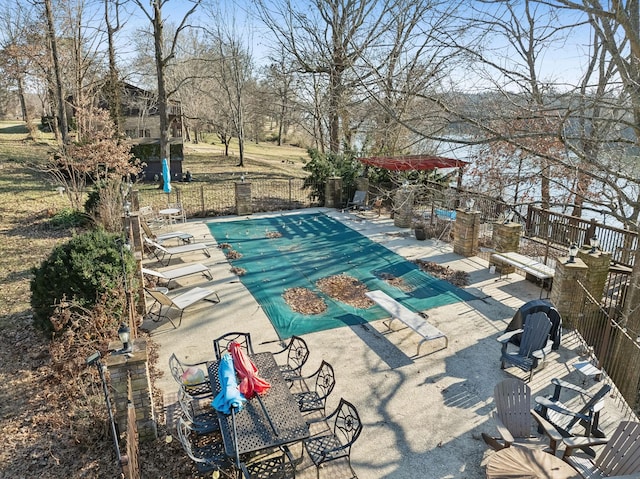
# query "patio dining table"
(266, 421)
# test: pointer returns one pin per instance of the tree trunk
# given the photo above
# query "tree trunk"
(62, 115)
(162, 88)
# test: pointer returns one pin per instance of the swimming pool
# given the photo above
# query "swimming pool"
(297, 250)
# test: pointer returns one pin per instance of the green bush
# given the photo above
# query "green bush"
(322, 166)
(83, 271)
(69, 218)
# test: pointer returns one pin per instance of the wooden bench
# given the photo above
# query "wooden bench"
(524, 263)
(412, 320)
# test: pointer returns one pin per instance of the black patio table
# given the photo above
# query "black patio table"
(266, 421)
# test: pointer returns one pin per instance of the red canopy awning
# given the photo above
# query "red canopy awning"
(412, 162)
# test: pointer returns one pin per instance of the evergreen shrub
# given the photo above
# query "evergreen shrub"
(83, 271)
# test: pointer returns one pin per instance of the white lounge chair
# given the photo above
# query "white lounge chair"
(180, 302)
(161, 238)
(160, 252)
(170, 274)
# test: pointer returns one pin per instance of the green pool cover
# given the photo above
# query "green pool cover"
(315, 246)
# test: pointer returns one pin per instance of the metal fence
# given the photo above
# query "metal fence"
(218, 199)
(611, 346)
(559, 229)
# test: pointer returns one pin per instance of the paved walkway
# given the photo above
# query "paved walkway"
(422, 415)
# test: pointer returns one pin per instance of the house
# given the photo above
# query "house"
(141, 124)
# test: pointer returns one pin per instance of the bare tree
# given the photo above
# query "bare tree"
(328, 37)
(16, 47)
(233, 73)
(62, 126)
(164, 53)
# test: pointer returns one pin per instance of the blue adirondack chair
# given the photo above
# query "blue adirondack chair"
(535, 344)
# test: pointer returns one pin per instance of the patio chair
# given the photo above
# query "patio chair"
(161, 238)
(275, 466)
(296, 353)
(221, 344)
(345, 427)
(513, 415)
(171, 274)
(619, 457)
(563, 417)
(180, 302)
(534, 344)
(208, 456)
(359, 200)
(315, 399)
(202, 420)
(196, 385)
(180, 216)
(160, 252)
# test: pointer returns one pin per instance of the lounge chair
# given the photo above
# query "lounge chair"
(179, 235)
(160, 252)
(359, 200)
(169, 275)
(179, 302)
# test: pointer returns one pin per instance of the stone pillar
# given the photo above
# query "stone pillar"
(506, 239)
(243, 198)
(333, 192)
(466, 231)
(566, 294)
(125, 369)
(403, 207)
(598, 264)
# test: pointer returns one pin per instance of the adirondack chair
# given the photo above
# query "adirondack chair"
(619, 457)
(513, 415)
(534, 344)
(562, 418)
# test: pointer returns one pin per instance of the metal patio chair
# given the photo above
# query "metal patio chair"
(196, 389)
(221, 344)
(314, 398)
(345, 427)
(203, 420)
(296, 354)
(277, 466)
(208, 455)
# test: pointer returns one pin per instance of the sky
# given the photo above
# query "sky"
(561, 62)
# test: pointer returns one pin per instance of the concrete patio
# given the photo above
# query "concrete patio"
(422, 416)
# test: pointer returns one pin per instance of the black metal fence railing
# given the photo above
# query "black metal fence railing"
(560, 229)
(218, 198)
(611, 346)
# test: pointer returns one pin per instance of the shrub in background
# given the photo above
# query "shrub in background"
(81, 271)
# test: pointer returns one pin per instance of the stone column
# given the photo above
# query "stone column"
(566, 293)
(506, 239)
(125, 369)
(333, 192)
(243, 198)
(403, 207)
(598, 264)
(465, 233)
